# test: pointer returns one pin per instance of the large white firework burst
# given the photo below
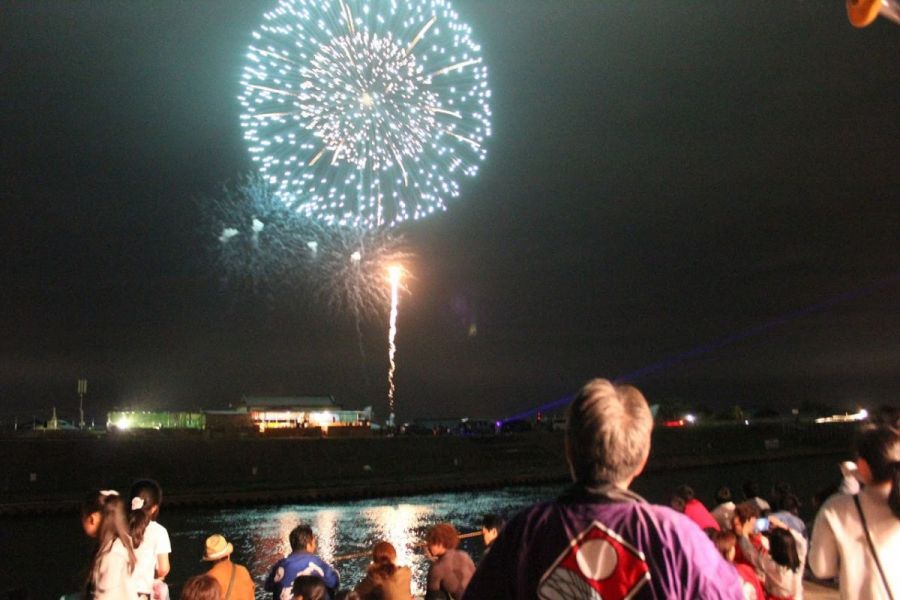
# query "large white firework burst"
(365, 112)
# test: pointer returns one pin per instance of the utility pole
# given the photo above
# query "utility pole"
(82, 390)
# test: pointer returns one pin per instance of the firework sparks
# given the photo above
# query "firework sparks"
(348, 270)
(262, 242)
(395, 273)
(365, 114)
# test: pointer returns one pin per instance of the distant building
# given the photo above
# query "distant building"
(124, 420)
(297, 412)
(287, 415)
(233, 420)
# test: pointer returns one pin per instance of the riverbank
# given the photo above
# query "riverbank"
(50, 474)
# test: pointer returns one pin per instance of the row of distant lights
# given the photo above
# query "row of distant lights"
(124, 423)
(862, 415)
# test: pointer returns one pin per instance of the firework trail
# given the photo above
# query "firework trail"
(395, 272)
(365, 113)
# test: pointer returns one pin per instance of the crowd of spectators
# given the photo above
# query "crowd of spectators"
(598, 539)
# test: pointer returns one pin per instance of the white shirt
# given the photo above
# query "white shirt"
(111, 578)
(839, 546)
(155, 542)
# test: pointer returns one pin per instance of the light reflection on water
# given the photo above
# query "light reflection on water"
(260, 535)
(397, 525)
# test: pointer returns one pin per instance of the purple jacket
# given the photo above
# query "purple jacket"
(605, 543)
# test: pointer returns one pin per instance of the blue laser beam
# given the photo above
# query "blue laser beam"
(718, 344)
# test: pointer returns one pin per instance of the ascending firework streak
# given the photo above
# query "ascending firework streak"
(395, 272)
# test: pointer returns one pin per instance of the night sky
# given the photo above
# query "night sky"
(661, 175)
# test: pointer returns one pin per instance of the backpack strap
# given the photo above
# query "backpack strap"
(862, 517)
(231, 582)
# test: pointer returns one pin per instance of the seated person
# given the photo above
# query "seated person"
(726, 542)
(452, 569)
(491, 526)
(683, 501)
(782, 564)
(201, 587)
(790, 514)
(234, 579)
(384, 579)
(301, 561)
(309, 587)
(743, 523)
(724, 509)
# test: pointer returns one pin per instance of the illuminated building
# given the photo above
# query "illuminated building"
(284, 415)
(124, 420)
(299, 412)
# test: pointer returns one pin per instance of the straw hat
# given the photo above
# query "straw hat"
(217, 547)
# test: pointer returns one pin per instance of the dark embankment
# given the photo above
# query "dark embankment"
(48, 473)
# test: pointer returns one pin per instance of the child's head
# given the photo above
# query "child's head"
(680, 496)
(783, 548)
(384, 552)
(112, 519)
(384, 556)
(146, 496)
(744, 514)
(723, 495)
(302, 539)
(309, 587)
(491, 526)
(725, 542)
(91, 509)
(201, 587)
(440, 538)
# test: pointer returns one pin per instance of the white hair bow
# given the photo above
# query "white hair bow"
(137, 503)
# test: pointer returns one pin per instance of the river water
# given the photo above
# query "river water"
(45, 554)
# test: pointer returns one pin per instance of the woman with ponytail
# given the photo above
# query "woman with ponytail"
(113, 561)
(384, 579)
(151, 540)
(858, 536)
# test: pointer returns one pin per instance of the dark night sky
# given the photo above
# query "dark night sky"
(661, 175)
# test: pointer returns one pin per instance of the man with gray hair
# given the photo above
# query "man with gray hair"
(600, 540)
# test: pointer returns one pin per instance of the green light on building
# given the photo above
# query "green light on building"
(125, 420)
